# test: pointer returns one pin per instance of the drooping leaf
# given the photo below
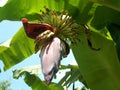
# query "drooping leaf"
(36, 69)
(34, 82)
(100, 68)
(32, 79)
(20, 48)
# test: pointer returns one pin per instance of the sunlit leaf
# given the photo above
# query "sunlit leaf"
(31, 9)
(33, 80)
(20, 48)
(36, 69)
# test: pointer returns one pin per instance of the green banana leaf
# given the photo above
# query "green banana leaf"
(32, 79)
(20, 48)
(100, 69)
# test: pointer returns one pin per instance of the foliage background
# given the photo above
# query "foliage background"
(99, 69)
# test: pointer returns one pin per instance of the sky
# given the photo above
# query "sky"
(3, 2)
(7, 31)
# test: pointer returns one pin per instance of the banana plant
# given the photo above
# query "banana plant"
(96, 52)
